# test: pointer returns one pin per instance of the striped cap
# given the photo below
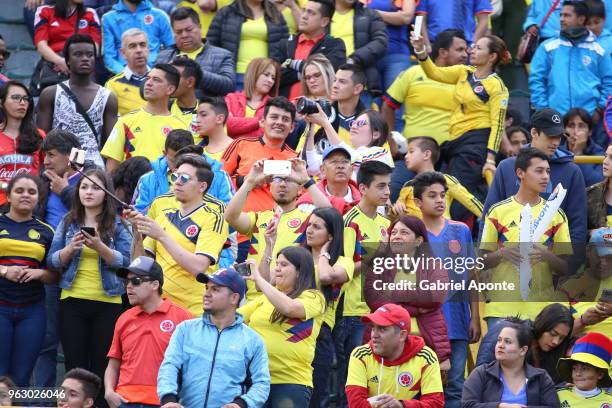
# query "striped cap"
(594, 349)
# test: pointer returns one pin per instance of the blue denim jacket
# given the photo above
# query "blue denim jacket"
(120, 244)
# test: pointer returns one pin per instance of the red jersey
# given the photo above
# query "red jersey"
(56, 30)
(139, 342)
(12, 163)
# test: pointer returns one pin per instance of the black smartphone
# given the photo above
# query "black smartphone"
(243, 269)
(89, 230)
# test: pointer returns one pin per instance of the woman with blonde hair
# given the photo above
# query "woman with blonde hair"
(245, 107)
(317, 77)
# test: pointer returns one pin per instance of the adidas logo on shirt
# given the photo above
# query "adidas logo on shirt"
(374, 379)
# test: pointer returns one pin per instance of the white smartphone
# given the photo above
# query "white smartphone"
(418, 26)
(277, 168)
(77, 156)
(374, 401)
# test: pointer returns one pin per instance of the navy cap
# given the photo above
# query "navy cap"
(548, 121)
(335, 148)
(227, 277)
(143, 266)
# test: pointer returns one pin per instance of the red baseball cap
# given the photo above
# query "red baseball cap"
(389, 315)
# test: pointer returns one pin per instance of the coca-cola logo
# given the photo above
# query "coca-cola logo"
(6, 174)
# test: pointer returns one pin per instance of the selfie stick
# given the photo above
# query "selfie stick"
(75, 166)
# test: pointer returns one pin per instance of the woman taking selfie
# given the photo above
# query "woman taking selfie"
(91, 241)
(20, 140)
(508, 381)
(24, 243)
(288, 317)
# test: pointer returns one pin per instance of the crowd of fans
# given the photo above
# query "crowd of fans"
(196, 196)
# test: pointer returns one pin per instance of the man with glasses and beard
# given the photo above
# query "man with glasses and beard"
(141, 336)
(187, 240)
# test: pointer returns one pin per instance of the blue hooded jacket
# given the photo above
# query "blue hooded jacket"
(212, 366)
(564, 76)
(537, 12)
(562, 170)
(153, 21)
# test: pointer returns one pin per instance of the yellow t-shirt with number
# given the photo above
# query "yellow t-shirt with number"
(290, 344)
(140, 133)
(361, 233)
(202, 232)
(342, 27)
(253, 43)
(502, 227)
(88, 282)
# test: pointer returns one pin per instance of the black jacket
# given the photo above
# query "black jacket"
(225, 29)
(371, 41)
(333, 48)
(483, 388)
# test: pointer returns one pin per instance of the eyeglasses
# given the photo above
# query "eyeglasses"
(340, 162)
(313, 76)
(358, 123)
(180, 178)
(136, 281)
(279, 179)
(20, 98)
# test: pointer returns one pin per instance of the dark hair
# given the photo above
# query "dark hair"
(335, 227)
(377, 124)
(14, 180)
(426, 143)
(190, 69)
(270, 11)
(106, 219)
(78, 39)
(358, 77)
(524, 156)
(61, 140)
(172, 75)
(61, 9)
(192, 149)
(183, 13)
(444, 40)
(580, 8)
(90, 382)
(327, 8)
(523, 332)
(301, 259)
(3, 378)
(548, 318)
(513, 129)
(370, 169)
(29, 139)
(514, 114)
(581, 113)
(203, 168)
(282, 103)
(498, 46)
(427, 179)
(415, 224)
(218, 105)
(597, 8)
(177, 139)
(126, 175)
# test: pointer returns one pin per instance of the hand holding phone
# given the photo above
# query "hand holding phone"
(277, 168)
(89, 230)
(243, 269)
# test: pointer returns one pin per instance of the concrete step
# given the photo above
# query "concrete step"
(16, 36)
(12, 12)
(21, 65)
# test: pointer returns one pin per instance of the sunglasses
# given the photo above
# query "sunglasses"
(136, 281)
(180, 178)
(20, 98)
(358, 123)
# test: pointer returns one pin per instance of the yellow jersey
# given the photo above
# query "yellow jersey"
(186, 116)
(168, 202)
(502, 225)
(126, 87)
(253, 43)
(428, 104)
(478, 103)
(342, 27)
(337, 290)
(455, 191)
(290, 344)
(362, 234)
(140, 133)
(568, 398)
(202, 232)
(205, 18)
(585, 291)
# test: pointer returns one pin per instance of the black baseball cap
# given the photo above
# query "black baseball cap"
(143, 266)
(548, 121)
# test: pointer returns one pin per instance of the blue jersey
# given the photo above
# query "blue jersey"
(459, 14)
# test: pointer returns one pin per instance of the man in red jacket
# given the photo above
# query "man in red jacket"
(395, 369)
(337, 185)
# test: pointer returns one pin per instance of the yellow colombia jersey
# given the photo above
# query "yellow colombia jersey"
(349, 266)
(126, 87)
(186, 116)
(479, 103)
(253, 43)
(568, 398)
(585, 290)
(502, 228)
(359, 230)
(287, 233)
(342, 27)
(205, 18)
(455, 191)
(140, 133)
(428, 104)
(419, 375)
(202, 232)
(290, 344)
(167, 202)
